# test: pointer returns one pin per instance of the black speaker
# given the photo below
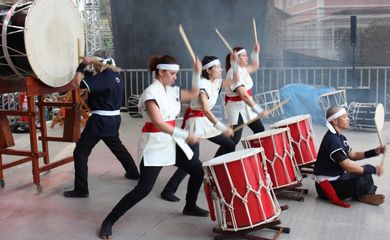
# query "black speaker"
(353, 31)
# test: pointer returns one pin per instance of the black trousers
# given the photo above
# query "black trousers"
(226, 145)
(83, 149)
(351, 185)
(147, 179)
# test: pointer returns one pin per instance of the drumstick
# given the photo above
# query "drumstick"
(254, 29)
(224, 41)
(186, 42)
(78, 49)
(260, 117)
(113, 68)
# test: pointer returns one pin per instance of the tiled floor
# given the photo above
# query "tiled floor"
(26, 214)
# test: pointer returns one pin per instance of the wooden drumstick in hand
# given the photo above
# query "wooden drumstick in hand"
(254, 30)
(187, 43)
(224, 41)
(260, 117)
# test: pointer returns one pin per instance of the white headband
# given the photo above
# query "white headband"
(106, 60)
(211, 64)
(338, 114)
(171, 67)
(241, 51)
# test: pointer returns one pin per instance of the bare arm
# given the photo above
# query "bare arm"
(236, 77)
(206, 108)
(155, 115)
(355, 155)
(187, 95)
(210, 115)
(349, 166)
(241, 91)
(255, 63)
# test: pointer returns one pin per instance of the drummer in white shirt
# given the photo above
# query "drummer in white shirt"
(161, 143)
(239, 104)
(200, 120)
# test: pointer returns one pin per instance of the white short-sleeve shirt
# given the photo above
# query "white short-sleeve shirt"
(159, 148)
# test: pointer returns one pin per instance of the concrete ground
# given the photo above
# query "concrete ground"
(26, 214)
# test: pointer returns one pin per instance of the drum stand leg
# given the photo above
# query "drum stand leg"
(307, 169)
(292, 192)
(244, 234)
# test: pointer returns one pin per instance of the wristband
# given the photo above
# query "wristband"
(180, 133)
(195, 79)
(234, 66)
(370, 153)
(369, 169)
(257, 109)
(81, 68)
(220, 126)
(255, 56)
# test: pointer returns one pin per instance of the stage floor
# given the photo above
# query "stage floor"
(26, 214)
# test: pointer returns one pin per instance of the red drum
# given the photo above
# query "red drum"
(279, 159)
(238, 190)
(302, 138)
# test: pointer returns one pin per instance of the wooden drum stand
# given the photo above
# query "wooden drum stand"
(35, 88)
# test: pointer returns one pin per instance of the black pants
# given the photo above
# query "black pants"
(148, 178)
(226, 145)
(82, 151)
(351, 185)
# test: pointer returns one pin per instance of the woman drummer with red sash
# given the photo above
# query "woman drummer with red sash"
(239, 104)
(161, 143)
(200, 120)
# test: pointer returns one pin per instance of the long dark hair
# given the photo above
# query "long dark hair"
(228, 57)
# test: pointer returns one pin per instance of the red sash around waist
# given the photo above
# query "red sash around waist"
(149, 127)
(236, 98)
(191, 113)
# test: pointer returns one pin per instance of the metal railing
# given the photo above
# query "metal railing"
(373, 81)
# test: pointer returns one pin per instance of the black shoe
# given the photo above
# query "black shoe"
(131, 176)
(105, 231)
(75, 194)
(195, 211)
(169, 197)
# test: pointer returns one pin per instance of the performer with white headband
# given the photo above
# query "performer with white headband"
(335, 164)
(239, 104)
(104, 122)
(162, 143)
(200, 120)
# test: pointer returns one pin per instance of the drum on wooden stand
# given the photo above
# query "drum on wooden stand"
(238, 190)
(40, 38)
(281, 166)
(302, 138)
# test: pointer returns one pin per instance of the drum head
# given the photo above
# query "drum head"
(290, 120)
(53, 30)
(266, 134)
(233, 156)
(379, 116)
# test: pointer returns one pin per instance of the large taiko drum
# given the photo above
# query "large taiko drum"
(279, 159)
(40, 38)
(302, 138)
(238, 190)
